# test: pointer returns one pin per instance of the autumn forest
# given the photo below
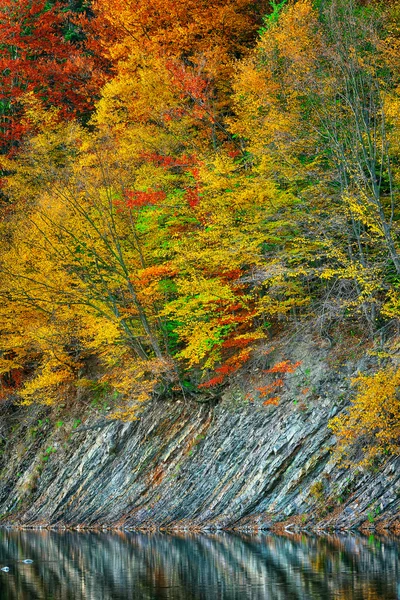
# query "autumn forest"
(186, 184)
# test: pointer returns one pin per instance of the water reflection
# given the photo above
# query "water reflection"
(120, 566)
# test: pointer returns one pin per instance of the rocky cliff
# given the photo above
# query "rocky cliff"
(231, 463)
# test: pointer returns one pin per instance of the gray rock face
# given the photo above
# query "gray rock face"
(184, 465)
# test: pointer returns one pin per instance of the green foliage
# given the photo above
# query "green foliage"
(273, 17)
(47, 453)
(373, 514)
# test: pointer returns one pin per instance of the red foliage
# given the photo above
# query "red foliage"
(16, 378)
(168, 161)
(35, 56)
(11, 382)
(192, 194)
(136, 199)
(225, 369)
(231, 365)
(187, 82)
(211, 382)
(232, 275)
(192, 197)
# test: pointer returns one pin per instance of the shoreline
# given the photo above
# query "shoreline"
(289, 527)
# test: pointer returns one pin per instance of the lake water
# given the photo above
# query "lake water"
(121, 566)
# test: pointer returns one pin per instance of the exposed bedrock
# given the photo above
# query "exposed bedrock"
(232, 464)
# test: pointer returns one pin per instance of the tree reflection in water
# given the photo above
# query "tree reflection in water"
(122, 565)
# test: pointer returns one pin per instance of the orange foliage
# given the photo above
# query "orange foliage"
(284, 366)
(155, 273)
(268, 389)
(231, 365)
(272, 401)
(181, 29)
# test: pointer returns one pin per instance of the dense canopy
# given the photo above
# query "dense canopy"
(185, 183)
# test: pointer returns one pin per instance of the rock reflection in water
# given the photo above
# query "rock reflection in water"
(120, 566)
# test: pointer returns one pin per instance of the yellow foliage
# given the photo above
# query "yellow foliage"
(373, 419)
(166, 237)
(48, 384)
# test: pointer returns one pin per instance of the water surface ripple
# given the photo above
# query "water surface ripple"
(121, 566)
